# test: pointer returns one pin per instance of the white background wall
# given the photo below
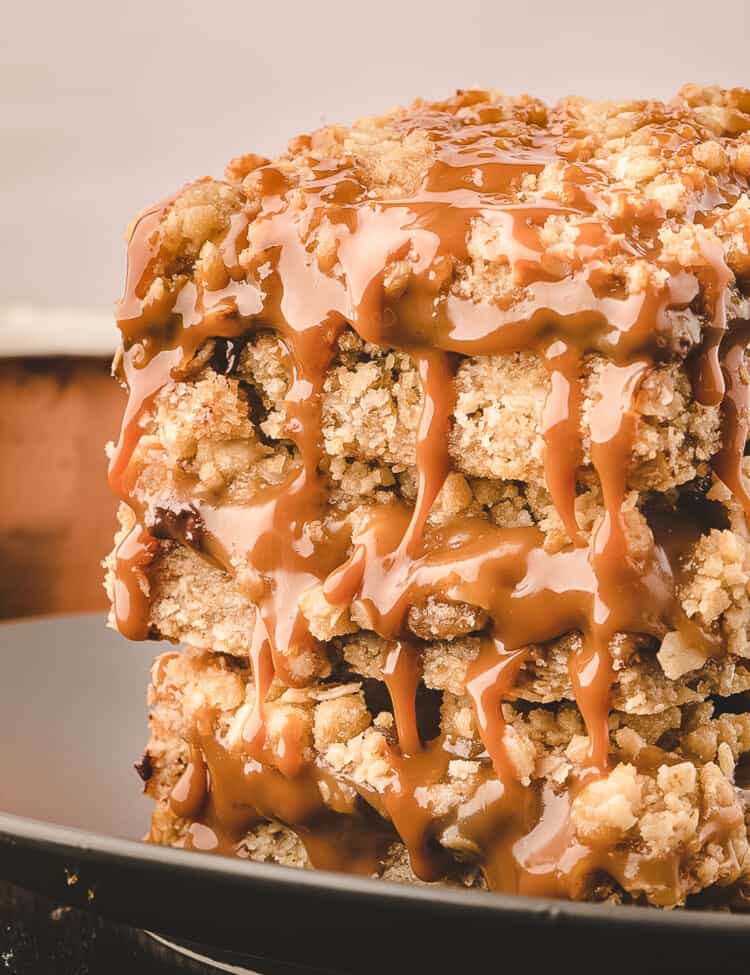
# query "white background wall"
(106, 106)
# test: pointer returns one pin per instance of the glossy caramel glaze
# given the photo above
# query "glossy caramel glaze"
(394, 268)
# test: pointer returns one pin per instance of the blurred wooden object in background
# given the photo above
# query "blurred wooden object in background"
(56, 512)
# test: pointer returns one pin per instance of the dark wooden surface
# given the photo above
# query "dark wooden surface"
(38, 937)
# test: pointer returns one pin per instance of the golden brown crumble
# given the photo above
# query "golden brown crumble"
(670, 182)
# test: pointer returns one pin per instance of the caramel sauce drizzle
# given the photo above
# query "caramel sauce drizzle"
(244, 792)
(136, 550)
(261, 659)
(272, 279)
(736, 417)
(561, 432)
(188, 796)
(402, 672)
(489, 679)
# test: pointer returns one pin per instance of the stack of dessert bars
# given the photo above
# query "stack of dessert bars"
(433, 465)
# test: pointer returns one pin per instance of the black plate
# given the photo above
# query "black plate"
(73, 721)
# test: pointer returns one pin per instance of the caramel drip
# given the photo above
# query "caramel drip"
(496, 820)
(433, 466)
(343, 583)
(407, 806)
(525, 834)
(144, 382)
(532, 595)
(144, 246)
(283, 562)
(735, 416)
(709, 381)
(489, 679)
(613, 425)
(189, 795)
(136, 550)
(561, 432)
(550, 861)
(145, 373)
(245, 792)
(391, 275)
(130, 602)
(402, 672)
(433, 460)
(592, 674)
(261, 659)
(676, 532)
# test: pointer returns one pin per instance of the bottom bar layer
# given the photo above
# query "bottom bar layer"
(322, 781)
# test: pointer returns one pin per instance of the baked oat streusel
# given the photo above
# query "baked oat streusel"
(434, 462)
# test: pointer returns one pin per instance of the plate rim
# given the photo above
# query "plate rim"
(90, 846)
(42, 855)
